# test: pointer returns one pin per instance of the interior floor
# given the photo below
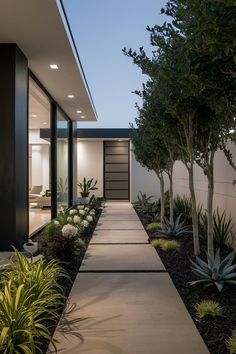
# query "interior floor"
(38, 218)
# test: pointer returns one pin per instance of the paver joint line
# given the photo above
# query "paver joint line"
(125, 271)
(119, 243)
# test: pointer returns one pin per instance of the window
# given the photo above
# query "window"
(62, 161)
(39, 158)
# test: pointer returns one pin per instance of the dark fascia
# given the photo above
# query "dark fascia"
(106, 133)
(77, 54)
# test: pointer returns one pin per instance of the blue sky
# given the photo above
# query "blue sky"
(101, 28)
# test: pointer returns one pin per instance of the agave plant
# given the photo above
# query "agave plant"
(214, 271)
(176, 229)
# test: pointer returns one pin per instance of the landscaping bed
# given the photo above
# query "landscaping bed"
(72, 268)
(214, 330)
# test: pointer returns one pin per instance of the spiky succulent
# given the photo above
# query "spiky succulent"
(154, 226)
(231, 344)
(176, 229)
(208, 308)
(214, 271)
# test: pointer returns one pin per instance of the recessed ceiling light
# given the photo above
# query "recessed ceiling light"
(70, 96)
(45, 123)
(82, 117)
(54, 66)
(34, 115)
(78, 112)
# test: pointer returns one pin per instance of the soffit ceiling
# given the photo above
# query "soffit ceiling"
(40, 29)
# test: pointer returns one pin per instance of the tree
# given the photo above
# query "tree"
(153, 117)
(198, 97)
(150, 154)
(211, 27)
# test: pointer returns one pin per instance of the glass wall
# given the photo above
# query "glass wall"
(62, 161)
(39, 158)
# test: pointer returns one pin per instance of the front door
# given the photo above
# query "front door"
(116, 170)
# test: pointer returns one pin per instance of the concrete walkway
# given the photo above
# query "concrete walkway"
(129, 301)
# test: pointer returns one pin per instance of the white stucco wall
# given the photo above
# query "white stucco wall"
(144, 181)
(90, 163)
(225, 192)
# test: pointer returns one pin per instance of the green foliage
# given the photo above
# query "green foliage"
(223, 226)
(96, 203)
(174, 230)
(166, 245)
(183, 206)
(158, 242)
(231, 344)
(29, 298)
(170, 245)
(154, 226)
(87, 186)
(208, 308)
(145, 205)
(215, 272)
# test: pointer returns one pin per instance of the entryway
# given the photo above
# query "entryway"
(117, 170)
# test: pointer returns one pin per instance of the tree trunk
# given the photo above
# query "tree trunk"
(196, 244)
(171, 197)
(162, 192)
(210, 195)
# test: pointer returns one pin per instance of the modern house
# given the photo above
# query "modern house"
(43, 93)
(42, 87)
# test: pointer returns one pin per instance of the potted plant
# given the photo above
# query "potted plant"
(86, 187)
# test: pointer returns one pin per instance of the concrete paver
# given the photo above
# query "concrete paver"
(121, 258)
(119, 236)
(119, 225)
(119, 217)
(128, 314)
(129, 301)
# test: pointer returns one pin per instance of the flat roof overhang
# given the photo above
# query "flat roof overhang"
(41, 30)
(105, 133)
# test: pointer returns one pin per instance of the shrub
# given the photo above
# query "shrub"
(39, 277)
(166, 245)
(174, 230)
(29, 298)
(208, 308)
(170, 245)
(231, 344)
(215, 272)
(21, 321)
(61, 247)
(158, 242)
(183, 206)
(223, 226)
(154, 226)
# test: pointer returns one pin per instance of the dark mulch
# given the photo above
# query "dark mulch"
(72, 270)
(215, 331)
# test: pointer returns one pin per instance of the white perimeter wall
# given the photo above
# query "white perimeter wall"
(225, 192)
(144, 181)
(90, 163)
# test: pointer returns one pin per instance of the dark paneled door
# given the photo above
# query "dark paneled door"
(116, 170)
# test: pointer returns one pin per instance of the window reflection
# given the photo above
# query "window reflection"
(62, 161)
